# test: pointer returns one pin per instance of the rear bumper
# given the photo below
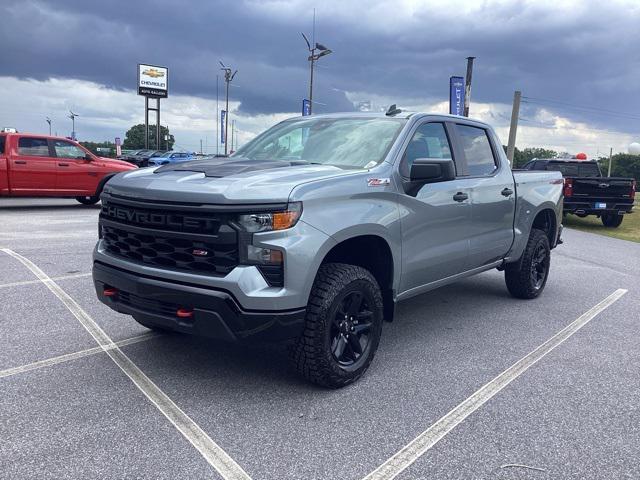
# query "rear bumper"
(587, 208)
(216, 314)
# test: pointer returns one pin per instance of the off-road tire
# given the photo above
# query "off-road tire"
(518, 275)
(311, 355)
(89, 200)
(612, 220)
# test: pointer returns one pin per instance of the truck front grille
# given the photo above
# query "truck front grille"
(201, 243)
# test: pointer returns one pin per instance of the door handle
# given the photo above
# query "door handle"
(506, 192)
(460, 197)
(21, 162)
(63, 164)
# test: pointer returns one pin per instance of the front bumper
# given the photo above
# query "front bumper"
(216, 313)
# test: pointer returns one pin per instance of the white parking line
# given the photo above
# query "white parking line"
(72, 356)
(34, 282)
(210, 450)
(427, 439)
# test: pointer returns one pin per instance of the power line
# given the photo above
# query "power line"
(595, 110)
(549, 127)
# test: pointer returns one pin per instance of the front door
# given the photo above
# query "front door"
(76, 174)
(435, 219)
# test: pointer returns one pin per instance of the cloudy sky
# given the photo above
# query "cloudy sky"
(576, 62)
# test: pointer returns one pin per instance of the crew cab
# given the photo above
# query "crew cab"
(587, 192)
(313, 231)
(46, 166)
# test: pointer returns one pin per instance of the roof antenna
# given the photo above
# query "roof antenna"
(393, 110)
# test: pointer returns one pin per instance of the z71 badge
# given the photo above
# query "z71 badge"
(378, 182)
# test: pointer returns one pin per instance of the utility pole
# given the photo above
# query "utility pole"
(610, 160)
(217, 115)
(49, 122)
(515, 112)
(467, 87)
(314, 57)
(200, 146)
(228, 77)
(233, 129)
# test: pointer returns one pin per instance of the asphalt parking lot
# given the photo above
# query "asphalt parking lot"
(68, 411)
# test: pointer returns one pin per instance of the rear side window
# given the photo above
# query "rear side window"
(33, 147)
(477, 150)
(2, 142)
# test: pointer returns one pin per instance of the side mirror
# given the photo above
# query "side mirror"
(88, 158)
(428, 170)
(432, 170)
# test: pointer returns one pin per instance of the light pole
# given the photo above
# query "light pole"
(49, 122)
(73, 116)
(313, 58)
(228, 77)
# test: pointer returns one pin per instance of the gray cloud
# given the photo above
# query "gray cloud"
(582, 55)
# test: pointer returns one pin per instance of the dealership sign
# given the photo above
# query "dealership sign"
(153, 81)
(456, 95)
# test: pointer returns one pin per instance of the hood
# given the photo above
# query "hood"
(113, 162)
(221, 181)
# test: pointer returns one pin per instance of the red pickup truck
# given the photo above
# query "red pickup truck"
(45, 166)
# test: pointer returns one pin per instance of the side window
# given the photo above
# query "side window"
(33, 147)
(67, 150)
(2, 142)
(429, 141)
(477, 150)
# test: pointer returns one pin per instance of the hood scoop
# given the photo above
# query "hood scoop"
(224, 166)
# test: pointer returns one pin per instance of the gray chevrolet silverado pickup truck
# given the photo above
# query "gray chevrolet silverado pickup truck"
(314, 230)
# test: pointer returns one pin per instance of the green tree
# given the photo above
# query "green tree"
(134, 138)
(520, 157)
(624, 165)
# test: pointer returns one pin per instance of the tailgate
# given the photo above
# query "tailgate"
(601, 188)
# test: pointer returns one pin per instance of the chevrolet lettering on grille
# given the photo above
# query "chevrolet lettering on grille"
(146, 218)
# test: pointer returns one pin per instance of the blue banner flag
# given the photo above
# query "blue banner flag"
(223, 114)
(306, 107)
(456, 95)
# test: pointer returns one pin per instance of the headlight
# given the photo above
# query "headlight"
(265, 222)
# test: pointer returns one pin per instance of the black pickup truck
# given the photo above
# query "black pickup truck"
(587, 192)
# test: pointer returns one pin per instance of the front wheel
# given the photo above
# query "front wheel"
(612, 220)
(342, 326)
(90, 200)
(527, 277)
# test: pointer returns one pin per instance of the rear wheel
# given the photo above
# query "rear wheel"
(342, 326)
(527, 277)
(612, 220)
(92, 200)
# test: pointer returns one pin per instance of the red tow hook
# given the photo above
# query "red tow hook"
(185, 313)
(110, 292)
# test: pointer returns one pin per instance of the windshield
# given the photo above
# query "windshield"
(343, 142)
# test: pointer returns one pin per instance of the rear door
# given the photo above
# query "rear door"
(435, 241)
(32, 167)
(4, 171)
(492, 195)
(76, 174)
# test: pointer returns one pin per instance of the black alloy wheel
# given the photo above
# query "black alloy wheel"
(539, 266)
(351, 328)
